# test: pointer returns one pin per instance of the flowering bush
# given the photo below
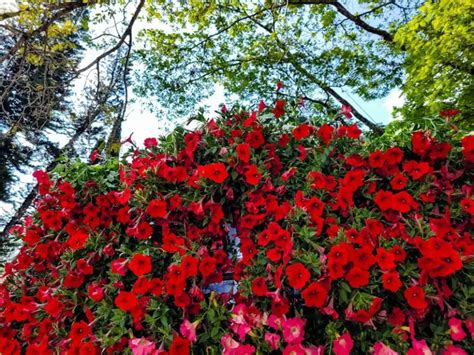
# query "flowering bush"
(342, 247)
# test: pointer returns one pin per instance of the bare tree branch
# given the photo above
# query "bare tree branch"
(346, 13)
(119, 43)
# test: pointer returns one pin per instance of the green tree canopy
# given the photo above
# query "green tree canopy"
(316, 48)
(439, 42)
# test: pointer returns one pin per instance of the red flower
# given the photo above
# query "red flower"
(279, 109)
(415, 297)
(467, 205)
(416, 170)
(207, 266)
(391, 281)
(259, 288)
(403, 202)
(78, 240)
(302, 131)
(450, 112)
(126, 301)
(357, 277)
(468, 148)
(376, 159)
(297, 275)
(215, 172)
(384, 200)
(255, 139)
(393, 155)
(420, 143)
(140, 264)
(385, 259)
(346, 111)
(326, 133)
(243, 152)
(252, 175)
(189, 265)
(157, 208)
(79, 331)
(179, 346)
(353, 131)
(399, 182)
(440, 150)
(315, 295)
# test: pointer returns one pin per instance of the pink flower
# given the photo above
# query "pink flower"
(294, 349)
(346, 110)
(343, 344)
(314, 350)
(293, 330)
(272, 339)
(188, 330)
(382, 349)
(275, 322)
(470, 327)
(453, 350)
(141, 346)
(239, 324)
(455, 329)
(419, 347)
(228, 343)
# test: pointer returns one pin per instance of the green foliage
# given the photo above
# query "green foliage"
(248, 46)
(439, 44)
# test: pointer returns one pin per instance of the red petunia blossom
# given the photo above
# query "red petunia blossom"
(439, 150)
(376, 159)
(467, 205)
(346, 111)
(140, 264)
(189, 265)
(255, 139)
(416, 170)
(179, 346)
(207, 266)
(252, 175)
(384, 200)
(326, 133)
(353, 131)
(126, 301)
(243, 152)
(385, 259)
(468, 148)
(449, 112)
(393, 155)
(157, 208)
(415, 297)
(391, 281)
(259, 288)
(150, 142)
(357, 277)
(77, 240)
(279, 109)
(403, 202)
(420, 143)
(298, 275)
(302, 131)
(214, 171)
(79, 331)
(399, 182)
(315, 295)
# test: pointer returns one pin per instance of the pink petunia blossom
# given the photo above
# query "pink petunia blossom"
(141, 346)
(188, 330)
(455, 329)
(272, 340)
(343, 344)
(382, 349)
(293, 330)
